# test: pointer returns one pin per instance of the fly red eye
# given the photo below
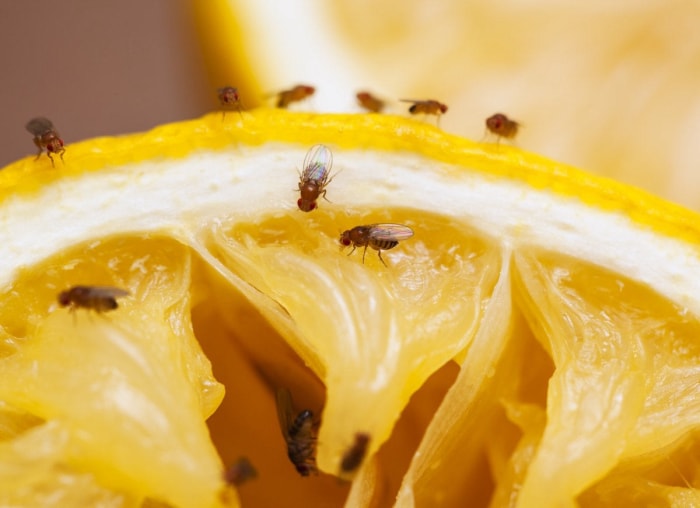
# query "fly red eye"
(345, 241)
(63, 298)
(312, 206)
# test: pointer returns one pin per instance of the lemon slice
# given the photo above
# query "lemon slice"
(534, 340)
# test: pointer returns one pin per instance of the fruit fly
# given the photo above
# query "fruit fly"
(97, 298)
(299, 433)
(353, 457)
(45, 137)
(314, 179)
(240, 472)
(427, 107)
(378, 236)
(370, 102)
(229, 99)
(296, 94)
(502, 126)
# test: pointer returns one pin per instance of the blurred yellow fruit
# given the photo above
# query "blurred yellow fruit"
(609, 87)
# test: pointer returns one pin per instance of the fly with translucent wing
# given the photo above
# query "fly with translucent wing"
(97, 298)
(299, 431)
(378, 236)
(369, 102)
(45, 137)
(426, 107)
(294, 94)
(315, 178)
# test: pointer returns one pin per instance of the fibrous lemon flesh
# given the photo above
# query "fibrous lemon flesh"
(533, 343)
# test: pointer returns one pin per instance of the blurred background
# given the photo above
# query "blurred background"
(97, 68)
(610, 87)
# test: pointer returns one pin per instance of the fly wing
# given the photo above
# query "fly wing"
(395, 232)
(108, 292)
(285, 411)
(39, 125)
(317, 163)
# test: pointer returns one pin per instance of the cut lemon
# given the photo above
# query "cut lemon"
(533, 344)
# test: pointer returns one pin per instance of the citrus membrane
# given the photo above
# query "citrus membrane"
(568, 302)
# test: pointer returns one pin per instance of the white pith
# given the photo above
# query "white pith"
(182, 196)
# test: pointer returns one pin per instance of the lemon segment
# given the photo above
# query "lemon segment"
(34, 474)
(624, 390)
(392, 326)
(125, 394)
(456, 431)
(621, 378)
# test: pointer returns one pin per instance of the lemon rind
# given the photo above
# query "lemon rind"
(353, 131)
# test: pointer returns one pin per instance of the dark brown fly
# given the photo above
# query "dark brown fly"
(426, 107)
(378, 236)
(229, 99)
(354, 455)
(299, 433)
(502, 126)
(313, 181)
(240, 472)
(296, 94)
(370, 102)
(97, 298)
(45, 137)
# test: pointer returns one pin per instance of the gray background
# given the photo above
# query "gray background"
(97, 68)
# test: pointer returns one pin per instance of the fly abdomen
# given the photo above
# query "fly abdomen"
(303, 421)
(384, 244)
(105, 304)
